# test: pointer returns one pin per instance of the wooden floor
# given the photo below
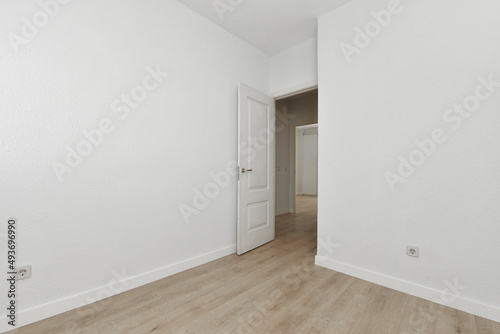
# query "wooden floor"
(273, 289)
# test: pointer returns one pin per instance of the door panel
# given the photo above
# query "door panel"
(257, 216)
(256, 160)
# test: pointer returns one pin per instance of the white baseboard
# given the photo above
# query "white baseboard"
(462, 304)
(281, 212)
(51, 309)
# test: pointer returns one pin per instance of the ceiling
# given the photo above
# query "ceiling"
(272, 26)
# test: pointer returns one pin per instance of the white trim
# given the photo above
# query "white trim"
(51, 309)
(295, 90)
(462, 304)
(281, 212)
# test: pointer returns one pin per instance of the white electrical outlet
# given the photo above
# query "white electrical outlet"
(412, 251)
(23, 272)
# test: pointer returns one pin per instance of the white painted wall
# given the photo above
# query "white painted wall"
(299, 150)
(119, 209)
(310, 165)
(282, 158)
(306, 160)
(298, 110)
(371, 111)
(295, 69)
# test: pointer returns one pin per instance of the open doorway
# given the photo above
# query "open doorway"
(306, 166)
(297, 119)
(297, 168)
(267, 163)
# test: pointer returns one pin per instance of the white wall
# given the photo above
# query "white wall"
(310, 165)
(282, 159)
(298, 110)
(119, 209)
(394, 91)
(295, 69)
(306, 160)
(299, 150)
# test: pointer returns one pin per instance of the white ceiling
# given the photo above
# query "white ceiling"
(272, 26)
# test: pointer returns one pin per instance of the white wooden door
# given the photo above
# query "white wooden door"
(256, 161)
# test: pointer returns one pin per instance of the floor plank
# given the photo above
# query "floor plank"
(273, 289)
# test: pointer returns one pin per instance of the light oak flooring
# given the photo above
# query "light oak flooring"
(273, 289)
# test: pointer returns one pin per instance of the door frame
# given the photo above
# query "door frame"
(293, 163)
(306, 87)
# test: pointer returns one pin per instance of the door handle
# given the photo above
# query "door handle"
(243, 170)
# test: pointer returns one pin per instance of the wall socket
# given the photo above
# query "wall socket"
(412, 251)
(23, 272)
